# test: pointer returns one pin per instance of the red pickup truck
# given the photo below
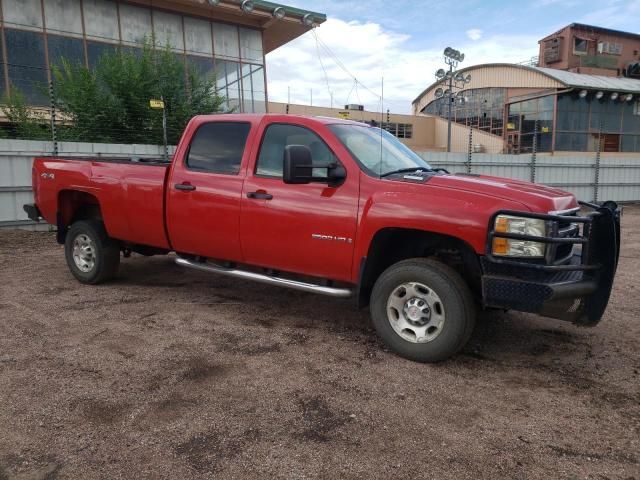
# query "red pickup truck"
(342, 209)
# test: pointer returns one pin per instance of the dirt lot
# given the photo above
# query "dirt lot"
(168, 373)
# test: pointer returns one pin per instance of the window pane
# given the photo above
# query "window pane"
(228, 82)
(572, 141)
(63, 16)
(251, 45)
(27, 70)
(135, 23)
(101, 20)
(217, 147)
(95, 50)
(225, 40)
(167, 29)
(2, 67)
(197, 35)
(203, 65)
(23, 13)
(277, 137)
(68, 48)
(258, 89)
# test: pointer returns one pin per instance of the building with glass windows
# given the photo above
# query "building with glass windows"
(545, 109)
(227, 37)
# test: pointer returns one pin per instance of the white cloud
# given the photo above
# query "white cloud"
(474, 34)
(369, 51)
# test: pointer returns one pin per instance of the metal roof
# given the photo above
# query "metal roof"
(568, 79)
(582, 80)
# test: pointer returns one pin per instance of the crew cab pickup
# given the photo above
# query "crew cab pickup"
(342, 209)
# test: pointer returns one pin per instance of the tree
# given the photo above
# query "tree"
(110, 103)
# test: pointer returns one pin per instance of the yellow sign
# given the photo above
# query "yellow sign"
(545, 130)
(156, 103)
(511, 126)
(344, 114)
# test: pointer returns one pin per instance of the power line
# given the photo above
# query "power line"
(338, 62)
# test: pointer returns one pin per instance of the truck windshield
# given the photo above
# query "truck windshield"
(377, 151)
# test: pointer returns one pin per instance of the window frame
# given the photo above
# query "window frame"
(580, 52)
(264, 134)
(185, 162)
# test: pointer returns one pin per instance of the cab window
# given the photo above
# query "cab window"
(217, 147)
(279, 136)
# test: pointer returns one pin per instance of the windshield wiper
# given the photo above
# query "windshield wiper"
(404, 170)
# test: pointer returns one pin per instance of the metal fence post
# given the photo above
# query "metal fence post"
(470, 152)
(534, 152)
(54, 132)
(596, 185)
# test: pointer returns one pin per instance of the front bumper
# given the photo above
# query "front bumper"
(574, 287)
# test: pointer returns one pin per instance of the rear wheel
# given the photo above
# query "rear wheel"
(422, 310)
(91, 255)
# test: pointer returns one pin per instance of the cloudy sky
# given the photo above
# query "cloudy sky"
(403, 40)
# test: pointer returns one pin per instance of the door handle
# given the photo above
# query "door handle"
(185, 187)
(259, 195)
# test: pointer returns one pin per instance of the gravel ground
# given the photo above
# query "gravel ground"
(168, 373)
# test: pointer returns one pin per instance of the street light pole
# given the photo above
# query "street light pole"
(451, 57)
(449, 115)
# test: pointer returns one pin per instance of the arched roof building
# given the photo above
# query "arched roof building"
(542, 108)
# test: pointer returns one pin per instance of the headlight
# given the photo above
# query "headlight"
(507, 247)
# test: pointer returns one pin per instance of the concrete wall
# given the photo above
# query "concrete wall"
(16, 159)
(423, 137)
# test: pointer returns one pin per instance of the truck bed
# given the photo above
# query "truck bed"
(130, 192)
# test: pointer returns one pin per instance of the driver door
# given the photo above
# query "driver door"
(306, 229)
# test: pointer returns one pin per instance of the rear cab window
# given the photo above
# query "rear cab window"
(218, 147)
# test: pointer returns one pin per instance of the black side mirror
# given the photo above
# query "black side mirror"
(298, 168)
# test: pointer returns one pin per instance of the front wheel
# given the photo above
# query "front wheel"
(423, 310)
(91, 255)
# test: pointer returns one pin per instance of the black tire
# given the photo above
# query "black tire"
(105, 252)
(456, 306)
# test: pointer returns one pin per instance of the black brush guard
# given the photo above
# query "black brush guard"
(572, 284)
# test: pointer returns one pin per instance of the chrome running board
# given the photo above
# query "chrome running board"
(271, 280)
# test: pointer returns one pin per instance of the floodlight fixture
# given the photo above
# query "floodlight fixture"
(440, 73)
(308, 20)
(599, 95)
(279, 13)
(614, 95)
(247, 6)
(459, 77)
(453, 54)
(439, 92)
(583, 93)
(628, 97)
(467, 79)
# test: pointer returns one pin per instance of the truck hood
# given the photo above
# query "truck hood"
(537, 198)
